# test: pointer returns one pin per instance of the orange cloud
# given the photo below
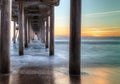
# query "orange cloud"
(100, 32)
(97, 32)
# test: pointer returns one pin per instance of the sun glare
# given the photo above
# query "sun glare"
(100, 32)
(97, 33)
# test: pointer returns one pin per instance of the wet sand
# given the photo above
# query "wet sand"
(37, 67)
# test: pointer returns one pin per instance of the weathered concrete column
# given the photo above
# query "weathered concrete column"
(41, 31)
(0, 42)
(17, 33)
(31, 33)
(75, 25)
(29, 25)
(46, 33)
(5, 36)
(21, 27)
(52, 31)
(26, 32)
(40, 34)
(14, 30)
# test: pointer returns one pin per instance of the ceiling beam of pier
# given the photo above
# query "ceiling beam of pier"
(36, 10)
(48, 2)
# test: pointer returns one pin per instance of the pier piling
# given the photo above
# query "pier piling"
(21, 27)
(75, 25)
(5, 36)
(51, 31)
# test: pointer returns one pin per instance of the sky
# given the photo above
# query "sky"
(99, 18)
(62, 13)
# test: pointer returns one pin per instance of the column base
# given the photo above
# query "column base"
(26, 45)
(46, 46)
(21, 53)
(51, 53)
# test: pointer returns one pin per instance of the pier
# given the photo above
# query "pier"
(36, 18)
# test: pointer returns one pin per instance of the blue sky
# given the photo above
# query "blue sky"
(101, 13)
(97, 15)
(62, 16)
(62, 13)
(93, 6)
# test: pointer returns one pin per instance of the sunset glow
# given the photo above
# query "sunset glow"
(100, 32)
(61, 32)
(99, 18)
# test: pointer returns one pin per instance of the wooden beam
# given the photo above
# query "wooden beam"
(41, 2)
(52, 31)
(21, 27)
(75, 43)
(5, 36)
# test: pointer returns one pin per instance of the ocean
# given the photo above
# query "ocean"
(100, 60)
(103, 51)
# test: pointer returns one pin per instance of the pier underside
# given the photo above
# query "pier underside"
(24, 62)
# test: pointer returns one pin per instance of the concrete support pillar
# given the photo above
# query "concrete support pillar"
(51, 31)
(14, 32)
(29, 25)
(40, 34)
(46, 45)
(5, 36)
(26, 32)
(0, 43)
(75, 44)
(31, 33)
(21, 27)
(17, 33)
(44, 32)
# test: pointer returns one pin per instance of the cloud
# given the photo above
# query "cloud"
(102, 13)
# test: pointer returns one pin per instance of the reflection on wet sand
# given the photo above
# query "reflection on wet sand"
(74, 79)
(101, 75)
(48, 75)
(33, 75)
